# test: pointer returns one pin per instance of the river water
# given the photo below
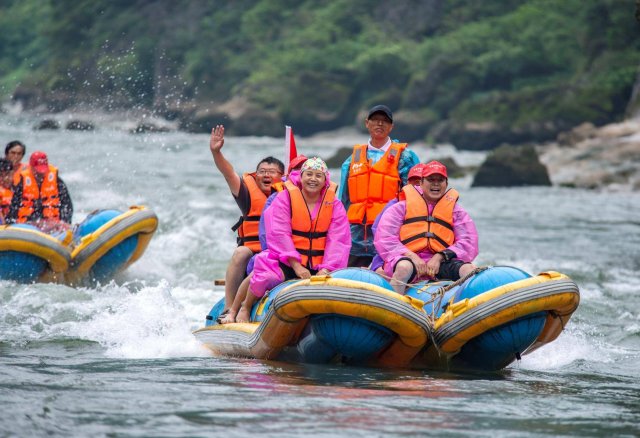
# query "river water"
(120, 359)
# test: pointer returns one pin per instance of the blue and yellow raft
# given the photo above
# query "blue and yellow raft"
(353, 316)
(105, 243)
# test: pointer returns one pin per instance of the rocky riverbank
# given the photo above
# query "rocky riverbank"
(606, 157)
(596, 158)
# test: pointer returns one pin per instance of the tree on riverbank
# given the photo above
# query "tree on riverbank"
(475, 73)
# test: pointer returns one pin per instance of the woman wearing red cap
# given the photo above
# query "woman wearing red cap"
(427, 234)
(40, 195)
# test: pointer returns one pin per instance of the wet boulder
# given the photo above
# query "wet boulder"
(47, 124)
(80, 125)
(145, 128)
(454, 170)
(509, 166)
(335, 162)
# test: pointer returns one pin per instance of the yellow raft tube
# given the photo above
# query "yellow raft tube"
(353, 316)
(105, 243)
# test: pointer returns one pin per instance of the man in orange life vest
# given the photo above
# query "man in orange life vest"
(39, 194)
(6, 179)
(371, 177)
(427, 234)
(250, 193)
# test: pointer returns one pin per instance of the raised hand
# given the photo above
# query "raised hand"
(217, 139)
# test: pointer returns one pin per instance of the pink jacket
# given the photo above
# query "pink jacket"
(389, 247)
(267, 273)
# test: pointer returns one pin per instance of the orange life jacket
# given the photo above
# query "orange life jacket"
(47, 193)
(248, 225)
(421, 230)
(372, 186)
(277, 187)
(16, 173)
(5, 200)
(310, 236)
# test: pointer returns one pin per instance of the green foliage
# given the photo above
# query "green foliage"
(21, 49)
(509, 62)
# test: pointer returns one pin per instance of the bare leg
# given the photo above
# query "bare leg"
(467, 268)
(237, 301)
(401, 274)
(235, 273)
(244, 315)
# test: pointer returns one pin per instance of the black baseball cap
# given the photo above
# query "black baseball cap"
(383, 109)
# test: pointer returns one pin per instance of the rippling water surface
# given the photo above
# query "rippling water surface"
(120, 360)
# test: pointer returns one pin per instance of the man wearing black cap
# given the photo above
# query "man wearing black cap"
(373, 175)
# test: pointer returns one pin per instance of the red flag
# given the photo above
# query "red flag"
(290, 151)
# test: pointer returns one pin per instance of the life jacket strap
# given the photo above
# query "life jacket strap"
(309, 234)
(427, 235)
(429, 219)
(237, 225)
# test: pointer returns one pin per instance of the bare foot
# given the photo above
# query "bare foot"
(229, 318)
(243, 315)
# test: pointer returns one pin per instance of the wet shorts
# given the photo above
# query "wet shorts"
(290, 274)
(359, 261)
(449, 270)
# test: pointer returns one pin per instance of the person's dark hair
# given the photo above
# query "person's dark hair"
(272, 160)
(13, 144)
(6, 165)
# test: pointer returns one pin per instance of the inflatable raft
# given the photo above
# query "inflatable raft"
(28, 255)
(353, 316)
(105, 243)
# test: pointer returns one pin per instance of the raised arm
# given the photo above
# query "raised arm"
(224, 166)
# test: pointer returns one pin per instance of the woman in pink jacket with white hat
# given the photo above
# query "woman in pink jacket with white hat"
(307, 230)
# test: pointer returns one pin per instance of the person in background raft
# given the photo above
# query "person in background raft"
(414, 177)
(14, 152)
(427, 234)
(40, 196)
(293, 171)
(307, 232)
(250, 193)
(371, 177)
(6, 181)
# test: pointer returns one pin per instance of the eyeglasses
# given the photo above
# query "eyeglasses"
(271, 172)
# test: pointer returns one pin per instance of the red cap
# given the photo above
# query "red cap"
(434, 167)
(416, 171)
(39, 162)
(296, 162)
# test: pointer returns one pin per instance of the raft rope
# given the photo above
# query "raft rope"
(438, 295)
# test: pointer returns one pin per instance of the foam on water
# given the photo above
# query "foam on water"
(156, 321)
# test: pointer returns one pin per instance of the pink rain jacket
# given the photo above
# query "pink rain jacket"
(267, 272)
(389, 247)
